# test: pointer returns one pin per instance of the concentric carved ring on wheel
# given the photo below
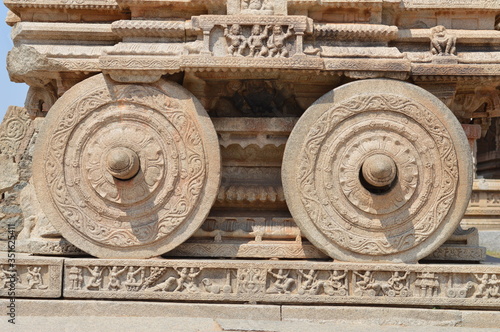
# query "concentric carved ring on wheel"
(126, 170)
(377, 170)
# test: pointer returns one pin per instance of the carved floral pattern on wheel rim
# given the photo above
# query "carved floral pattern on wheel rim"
(412, 143)
(127, 170)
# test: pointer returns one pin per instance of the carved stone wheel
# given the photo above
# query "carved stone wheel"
(377, 170)
(124, 170)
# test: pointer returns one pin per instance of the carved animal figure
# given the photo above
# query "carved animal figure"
(442, 42)
(210, 287)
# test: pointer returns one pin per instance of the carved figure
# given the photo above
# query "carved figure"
(428, 284)
(308, 282)
(114, 282)
(481, 287)
(494, 284)
(488, 286)
(282, 284)
(442, 42)
(183, 276)
(190, 285)
(460, 291)
(131, 283)
(95, 280)
(396, 285)
(237, 42)
(7, 276)
(164, 286)
(367, 284)
(277, 41)
(256, 41)
(75, 278)
(184, 281)
(256, 5)
(34, 278)
(210, 287)
(336, 284)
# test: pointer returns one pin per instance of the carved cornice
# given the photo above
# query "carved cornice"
(16, 5)
(140, 28)
(68, 31)
(372, 32)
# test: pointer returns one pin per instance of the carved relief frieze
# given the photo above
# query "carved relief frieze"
(278, 281)
(30, 277)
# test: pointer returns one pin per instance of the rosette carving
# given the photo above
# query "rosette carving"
(377, 170)
(127, 170)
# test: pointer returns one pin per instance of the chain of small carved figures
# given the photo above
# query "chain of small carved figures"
(279, 281)
(32, 280)
(259, 43)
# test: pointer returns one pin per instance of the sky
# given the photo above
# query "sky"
(10, 93)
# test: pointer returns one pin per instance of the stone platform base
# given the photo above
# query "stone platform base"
(72, 315)
(255, 281)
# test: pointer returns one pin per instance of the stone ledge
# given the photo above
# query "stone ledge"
(134, 316)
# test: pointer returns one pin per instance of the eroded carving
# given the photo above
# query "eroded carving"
(442, 42)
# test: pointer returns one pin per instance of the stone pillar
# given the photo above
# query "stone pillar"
(473, 133)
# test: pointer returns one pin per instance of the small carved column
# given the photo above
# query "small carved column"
(299, 48)
(473, 133)
(206, 42)
(299, 30)
(206, 26)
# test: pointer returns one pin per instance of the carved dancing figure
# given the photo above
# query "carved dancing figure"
(442, 42)
(189, 284)
(277, 41)
(256, 41)
(181, 281)
(282, 284)
(114, 282)
(481, 287)
(237, 42)
(35, 278)
(75, 278)
(95, 280)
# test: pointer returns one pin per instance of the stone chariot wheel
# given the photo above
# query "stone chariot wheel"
(125, 170)
(377, 170)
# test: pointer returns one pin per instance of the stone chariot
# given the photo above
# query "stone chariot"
(258, 129)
